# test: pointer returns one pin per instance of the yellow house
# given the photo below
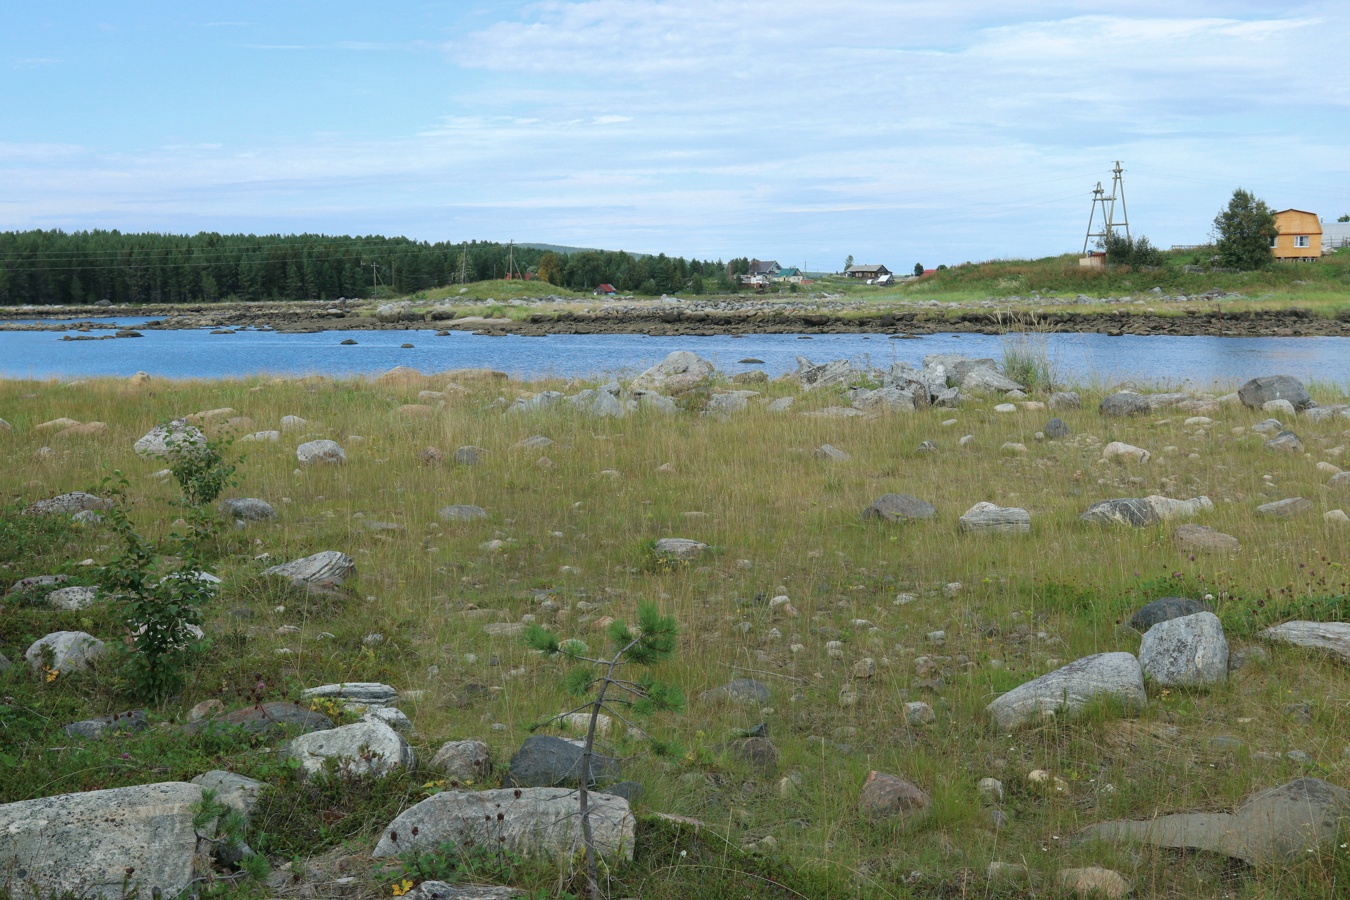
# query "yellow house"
(1300, 235)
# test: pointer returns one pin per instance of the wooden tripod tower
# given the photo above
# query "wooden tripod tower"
(1108, 204)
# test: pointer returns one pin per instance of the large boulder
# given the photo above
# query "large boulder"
(889, 400)
(85, 844)
(320, 453)
(68, 504)
(987, 380)
(69, 651)
(548, 761)
(899, 508)
(327, 565)
(531, 822)
(170, 440)
(1124, 404)
(838, 373)
(400, 311)
(955, 366)
(1273, 827)
(990, 517)
(1067, 690)
(365, 748)
(678, 372)
(1188, 651)
(1260, 391)
(1331, 637)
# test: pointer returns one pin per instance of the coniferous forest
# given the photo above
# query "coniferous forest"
(57, 267)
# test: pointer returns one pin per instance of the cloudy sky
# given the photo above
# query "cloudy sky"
(934, 131)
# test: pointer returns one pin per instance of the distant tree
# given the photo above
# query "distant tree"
(1344, 218)
(550, 268)
(848, 263)
(918, 268)
(696, 284)
(942, 267)
(1244, 232)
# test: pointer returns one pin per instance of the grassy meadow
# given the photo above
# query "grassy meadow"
(576, 522)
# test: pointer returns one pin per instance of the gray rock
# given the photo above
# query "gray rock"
(1189, 651)
(1168, 509)
(1069, 689)
(738, 690)
(87, 517)
(1269, 426)
(465, 761)
(1132, 511)
(1274, 826)
(830, 452)
(70, 651)
(651, 401)
(1094, 881)
(118, 723)
(987, 380)
(1204, 538)
(727, 403)
(293, 423)
(888, 400)
(84, 843)
(365, 748)
(400, 311)
(1259, 391)
(439, 890)
(358, 693)
(540, 822)
(469, 456)
(5, 427)
(678, 372)
(886, 796)
(34, 582)
(899, 508)
(839, 373)
(1339, 480)
(250, 509)
(604, 401)
(1164, 609)
(67, 504)
(274, 718)
(1065, 400)
(1285, 509)
(956, 366)
(678, 548)
(327, 565)
(461, 513)
(72, 599)
(548, 761)
(1285, 442)
(540, 401)
(534, 442)
(756, 752)
(320, 453)
(782, 404)
(1124, 404)
(1332, 637)
(237, 792)
(261, 437)
(5, 664)
(396, 719)
(170, 441)
(1056, 429)
(989, 517)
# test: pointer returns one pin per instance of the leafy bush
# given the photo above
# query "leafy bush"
(199, 467)
(1123, 250)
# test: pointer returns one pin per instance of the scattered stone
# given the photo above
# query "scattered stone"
(1056, 429)
(1093, 881)
(1005, 408)
(738, 690)
(680, 371)
(170, 440)
(678, 548)
(1064, 400)
(758, 753)
(365, 748)
(1332, 637)
(261, 437)
(828, 452)
(118, 723)
(1204, 538)
(1069, 689)
(899, 508)
(316, 453)
(532, 822)
(326, 566)
(989, 517)
(353, 693)
(85, 844)
(1165, 609)
(73, 599)
(1124, 404)
(886, 401)
(461, 513)
(548, 761)
(886, 796)
(919, 713)
(1285, 509)
(469, 456)
(463, 761)
(1013, 448)
(1333, 516)
(295, 423)
(1125, 452)
(990, 789)
(1285, 442)
(1132, 511)
(1188, 651)
(276, 717)
(205, 710)
(70, 651)
(67, 504)
(250, 509)
(1259, 391)
(865, 668)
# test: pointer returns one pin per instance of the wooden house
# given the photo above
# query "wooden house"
(866, 272)
(1300, 235)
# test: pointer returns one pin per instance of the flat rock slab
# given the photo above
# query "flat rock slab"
(989, 517)
(360, 693)
(1273, 826)
(84, 843)
(439, 890)
(1285, 509)
(365, 748)
(1204, 538)
(679, 548)
(738, 690)
(532, 822)
(276, 717)
(1165, 608)
(899, 508)
(68, 504)
(548, 761)
(1332, 637)
(1069, 689)
(328, 565)
(104, 726)
(1188, 651)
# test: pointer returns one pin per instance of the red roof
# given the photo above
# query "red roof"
(606, 289)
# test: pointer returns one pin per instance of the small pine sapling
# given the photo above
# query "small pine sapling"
(651, 643)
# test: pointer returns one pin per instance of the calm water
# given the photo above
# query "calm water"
(1078, 358)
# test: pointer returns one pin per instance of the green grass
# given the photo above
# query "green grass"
(781, 521)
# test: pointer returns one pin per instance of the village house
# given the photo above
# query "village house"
(605, 290)
(790, 275)
(868, 273)
(1300, 235)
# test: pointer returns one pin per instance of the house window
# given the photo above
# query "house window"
(1274, 242)
(1301, 240)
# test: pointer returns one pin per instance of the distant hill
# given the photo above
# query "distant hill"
(561, 249)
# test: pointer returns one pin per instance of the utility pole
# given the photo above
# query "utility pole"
(1108, 205)
(374, 280)
(464, 265)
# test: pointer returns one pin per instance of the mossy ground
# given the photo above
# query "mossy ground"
(779, 520)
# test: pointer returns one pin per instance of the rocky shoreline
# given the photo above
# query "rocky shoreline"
(1111, 316)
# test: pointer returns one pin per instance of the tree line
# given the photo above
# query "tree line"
(51, 267)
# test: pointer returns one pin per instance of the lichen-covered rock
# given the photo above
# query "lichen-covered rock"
(328, 565)
(1069, 689)
(1188, 651)
(250, 509)
(320, 453)
(69, 651)
(170, 440)
(67, 504)
(365, 748)
(679, 548)
(1332, 637)
(358, 693)
(989, 517)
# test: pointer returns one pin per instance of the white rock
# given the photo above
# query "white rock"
(168, 441)
(314, 453)
(365, 748)
(1189, 651)
(328, 565)
(1125, 452)
(1333, 637)
(990, 517)
(1070, 688)
(71, 651)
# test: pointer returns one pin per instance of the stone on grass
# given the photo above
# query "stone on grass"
(678, 372)
(461, 513)
(261, 437)
(1331, 637)
(1168, 509)
(1339, 480)
(275, 717)
(837, 373)
(1132, 511)
(987, 380)
(886, 401)
(1067, 690)
(36, 581)
(67, 504)
(250, 509)
(73, 599)
(439, 890)
(293, 423)
(1202, 537)
(1285, 509)
(103, 726)
(886, 796)
(1259, 391)
(5, 427)
(353, 693)
(365, 748)
(1285, 442)
(237, 792)
(539, 822)
(548, 761)
(463, 761)
(1163, 609)
(1056, 429)
(1094, 881)
(1188, 651)
(469, 455)
(1064, 400)
(170, 440)
(1272, 827)
(899, 508)
(678, 548)
(1119, 450)
(738, 690)
(320, 453)
(919, 713)
(85, 843)
(5, 664)
(1124, 404)
(756, 752)
(989, 517)
(325, 566)
(69, 651)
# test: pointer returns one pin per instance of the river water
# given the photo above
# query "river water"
(1078, 359)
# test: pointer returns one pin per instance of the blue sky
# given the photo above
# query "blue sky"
(934, 131)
